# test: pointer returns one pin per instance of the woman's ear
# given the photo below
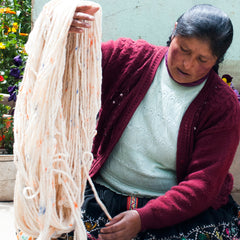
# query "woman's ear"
(175, 26)
(174, 30)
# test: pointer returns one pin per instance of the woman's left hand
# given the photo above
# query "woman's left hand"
(124, 226)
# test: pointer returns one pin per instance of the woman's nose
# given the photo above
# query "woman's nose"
(188, 62)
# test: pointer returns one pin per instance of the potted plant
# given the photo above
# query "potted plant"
(15, 26)
(7, 168)
(6, 129)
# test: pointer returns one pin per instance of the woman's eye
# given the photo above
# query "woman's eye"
(184, 50)
(202, 61)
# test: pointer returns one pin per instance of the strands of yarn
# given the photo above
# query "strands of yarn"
(55, 121)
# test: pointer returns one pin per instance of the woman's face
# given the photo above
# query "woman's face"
(189, 59)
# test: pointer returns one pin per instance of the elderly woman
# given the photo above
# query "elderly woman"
(168, 130)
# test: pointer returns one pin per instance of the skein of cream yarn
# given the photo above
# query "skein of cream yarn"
(55, 121)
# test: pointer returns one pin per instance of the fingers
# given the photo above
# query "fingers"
(120, 235)
(115, 229)
(87, 9)
(114, 232)
(81, 18)
(115, 220)
(124, 226)
(78, 26)
(81, 21)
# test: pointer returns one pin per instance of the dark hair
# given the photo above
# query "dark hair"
(208, 23)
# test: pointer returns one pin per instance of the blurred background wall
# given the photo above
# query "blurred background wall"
(153, 20)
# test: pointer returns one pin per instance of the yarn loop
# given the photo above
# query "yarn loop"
(55, 122)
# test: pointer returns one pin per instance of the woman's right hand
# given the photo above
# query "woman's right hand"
(82, 17)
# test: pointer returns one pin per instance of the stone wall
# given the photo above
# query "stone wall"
(7, 177)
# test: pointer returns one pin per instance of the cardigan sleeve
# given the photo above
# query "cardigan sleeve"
(205, 163)
(121, 58)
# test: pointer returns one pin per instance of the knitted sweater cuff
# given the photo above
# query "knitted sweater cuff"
(146, 217)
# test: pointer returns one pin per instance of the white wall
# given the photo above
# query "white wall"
(153, 20)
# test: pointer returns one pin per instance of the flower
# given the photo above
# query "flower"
(15, 18)
(2, 46)
(23, 34)
(17, 61)
(15, 25)
(15, 72)
(237, 93)
(4, 10)
(13, 93)
(14, 29)
(13, 97)
(8, 122)
(7, 10)
(2, 137)
(228, 80)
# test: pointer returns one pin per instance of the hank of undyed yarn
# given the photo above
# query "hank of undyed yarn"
(55, 121)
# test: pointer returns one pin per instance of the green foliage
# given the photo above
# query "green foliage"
(9, 138)
(6, 128)
(15, 25)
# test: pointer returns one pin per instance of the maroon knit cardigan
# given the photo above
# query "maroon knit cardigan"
(207, 140)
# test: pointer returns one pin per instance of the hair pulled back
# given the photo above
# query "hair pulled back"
(208, 23)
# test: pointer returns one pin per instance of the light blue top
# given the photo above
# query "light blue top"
(143, 162)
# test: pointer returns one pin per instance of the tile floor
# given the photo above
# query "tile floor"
(7, 230)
